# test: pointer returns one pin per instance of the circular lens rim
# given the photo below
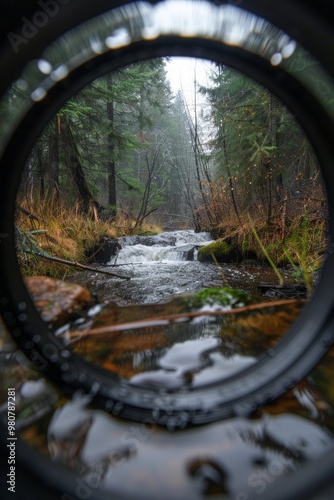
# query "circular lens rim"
(306, 26)
(239, 394)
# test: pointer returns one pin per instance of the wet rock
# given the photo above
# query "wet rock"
(58, 301)
(104, 251)
(163, 239)
(186, 252)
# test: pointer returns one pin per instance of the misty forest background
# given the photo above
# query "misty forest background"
(126, 156)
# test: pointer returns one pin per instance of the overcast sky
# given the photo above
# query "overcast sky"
(182, 72)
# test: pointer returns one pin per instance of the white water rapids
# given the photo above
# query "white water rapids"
(160, 267)
(165, 247)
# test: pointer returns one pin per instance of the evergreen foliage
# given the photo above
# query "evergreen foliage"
(262, 156)
(125, 148)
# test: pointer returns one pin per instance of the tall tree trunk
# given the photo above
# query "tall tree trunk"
(230, 181)
(147, 191)
(89, 205)
(112, 197)
(193, 128)
(269, 177)
(41, 172)
(271, 163)
(53, 189)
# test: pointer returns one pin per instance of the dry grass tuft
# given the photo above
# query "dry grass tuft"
(63, 233)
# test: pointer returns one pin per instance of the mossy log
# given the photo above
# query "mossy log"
(228, 250)
(220, 251)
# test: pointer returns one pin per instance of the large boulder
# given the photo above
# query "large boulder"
(58, 301)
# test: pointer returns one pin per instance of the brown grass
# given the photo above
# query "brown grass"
(64, 233)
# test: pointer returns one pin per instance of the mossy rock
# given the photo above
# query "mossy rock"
(220, 251)
(220, 297)
(211, 298)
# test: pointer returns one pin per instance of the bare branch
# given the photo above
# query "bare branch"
(77, 265)
(181, 317)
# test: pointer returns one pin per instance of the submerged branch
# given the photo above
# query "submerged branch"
(77, 265)
(180, 317)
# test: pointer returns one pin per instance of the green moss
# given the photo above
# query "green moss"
(219, 250)
(148, 233)
(219, 296)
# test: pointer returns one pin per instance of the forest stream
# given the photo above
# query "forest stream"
(239, 458)
(129, 151)
(164, 265)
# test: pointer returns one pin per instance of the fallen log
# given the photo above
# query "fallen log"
(77, 265)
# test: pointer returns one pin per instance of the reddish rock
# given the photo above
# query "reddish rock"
(58, 301)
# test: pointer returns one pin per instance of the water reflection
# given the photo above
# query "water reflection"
(191, 353)
(235, 457)
(240, 456)
(222, 458)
